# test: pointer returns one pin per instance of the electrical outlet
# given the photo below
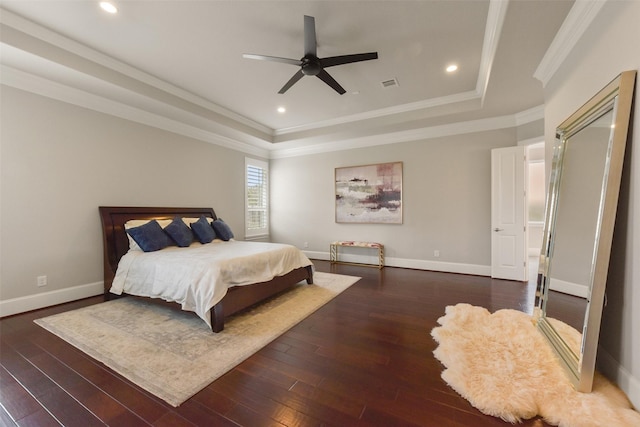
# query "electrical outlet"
(42, 280)
(306, 244)
(436, 253)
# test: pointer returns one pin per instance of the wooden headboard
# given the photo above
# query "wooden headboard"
(114, 238)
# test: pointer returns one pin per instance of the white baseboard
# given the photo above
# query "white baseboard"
(611, 369)
(47, 299)
(417, 264)
(565, 287)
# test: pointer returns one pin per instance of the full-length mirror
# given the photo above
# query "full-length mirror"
(580, 217)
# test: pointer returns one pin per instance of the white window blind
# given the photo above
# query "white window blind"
(257, 198)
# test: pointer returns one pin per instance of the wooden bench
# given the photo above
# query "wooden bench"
(333, 251)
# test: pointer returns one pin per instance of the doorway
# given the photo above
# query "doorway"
(536, 199)
(517, 210)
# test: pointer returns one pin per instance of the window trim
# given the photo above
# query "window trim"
(261, 232)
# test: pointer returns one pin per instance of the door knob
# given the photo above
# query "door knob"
(497, 229)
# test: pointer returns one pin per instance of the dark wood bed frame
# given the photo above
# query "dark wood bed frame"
(116, 244)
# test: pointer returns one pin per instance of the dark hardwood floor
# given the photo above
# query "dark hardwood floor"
(363, 359)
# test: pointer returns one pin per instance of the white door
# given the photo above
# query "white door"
(508, 214)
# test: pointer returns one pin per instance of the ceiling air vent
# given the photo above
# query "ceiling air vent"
(389, 83)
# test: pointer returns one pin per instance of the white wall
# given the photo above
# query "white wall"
(608, 47)
(60, 162)
(446, 198)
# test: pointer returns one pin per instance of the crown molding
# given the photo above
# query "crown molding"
(48, 36)
(193, 129)
(530, 115)
(383, 112)
(495, 20)
(459, 128)
(58, 91)
(579, 18)
(450, 129)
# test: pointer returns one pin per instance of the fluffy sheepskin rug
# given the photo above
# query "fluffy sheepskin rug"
(504, 367)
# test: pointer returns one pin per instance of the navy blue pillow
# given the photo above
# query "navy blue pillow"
(222, 230)
(203, 231)
(150, 236)
(179, 232)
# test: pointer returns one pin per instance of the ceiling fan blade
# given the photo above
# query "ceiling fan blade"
(297, 76)
(325, 77)
(273, 59)
(347, 59)
(310, 44)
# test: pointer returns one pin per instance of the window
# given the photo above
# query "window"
(256, 198)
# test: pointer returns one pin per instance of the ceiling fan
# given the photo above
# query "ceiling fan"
(310, 64)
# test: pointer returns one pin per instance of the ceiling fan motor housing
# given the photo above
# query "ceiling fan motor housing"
(311, 65)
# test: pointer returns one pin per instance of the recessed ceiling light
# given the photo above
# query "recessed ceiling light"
(108, 7)
(282, 110)
(451, 68)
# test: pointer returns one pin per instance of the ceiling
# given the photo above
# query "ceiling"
(179, 65)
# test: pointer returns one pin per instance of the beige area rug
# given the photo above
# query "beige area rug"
(173, 354)
(503, 366)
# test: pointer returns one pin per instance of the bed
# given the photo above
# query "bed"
(116, 245)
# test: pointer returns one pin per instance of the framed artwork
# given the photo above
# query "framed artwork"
(369, 194)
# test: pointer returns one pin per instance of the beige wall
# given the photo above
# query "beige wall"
(60, 162)
(446, 198)
(532, 130)
(608, 47)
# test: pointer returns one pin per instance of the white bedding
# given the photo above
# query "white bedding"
(198, 277)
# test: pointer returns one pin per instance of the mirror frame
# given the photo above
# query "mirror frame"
(616, 96)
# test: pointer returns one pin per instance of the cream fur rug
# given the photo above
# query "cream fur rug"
(173, 354)
(504, 367)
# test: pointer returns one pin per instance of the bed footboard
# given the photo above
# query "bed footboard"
(241, 297)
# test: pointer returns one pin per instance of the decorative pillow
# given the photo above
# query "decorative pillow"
(222, 230)
(133, 246)
(179, 232)
(203, 231)
(150, 236)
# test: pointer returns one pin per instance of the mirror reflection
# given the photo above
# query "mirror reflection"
(580, 217)
(577, 218)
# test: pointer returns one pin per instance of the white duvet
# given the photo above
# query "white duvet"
(198, 277)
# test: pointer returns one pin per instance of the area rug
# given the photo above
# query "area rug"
(173, 354)
(503, 366)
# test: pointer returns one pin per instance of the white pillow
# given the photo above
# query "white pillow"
(188, 220)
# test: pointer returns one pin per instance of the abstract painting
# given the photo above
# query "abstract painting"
(369, 194)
